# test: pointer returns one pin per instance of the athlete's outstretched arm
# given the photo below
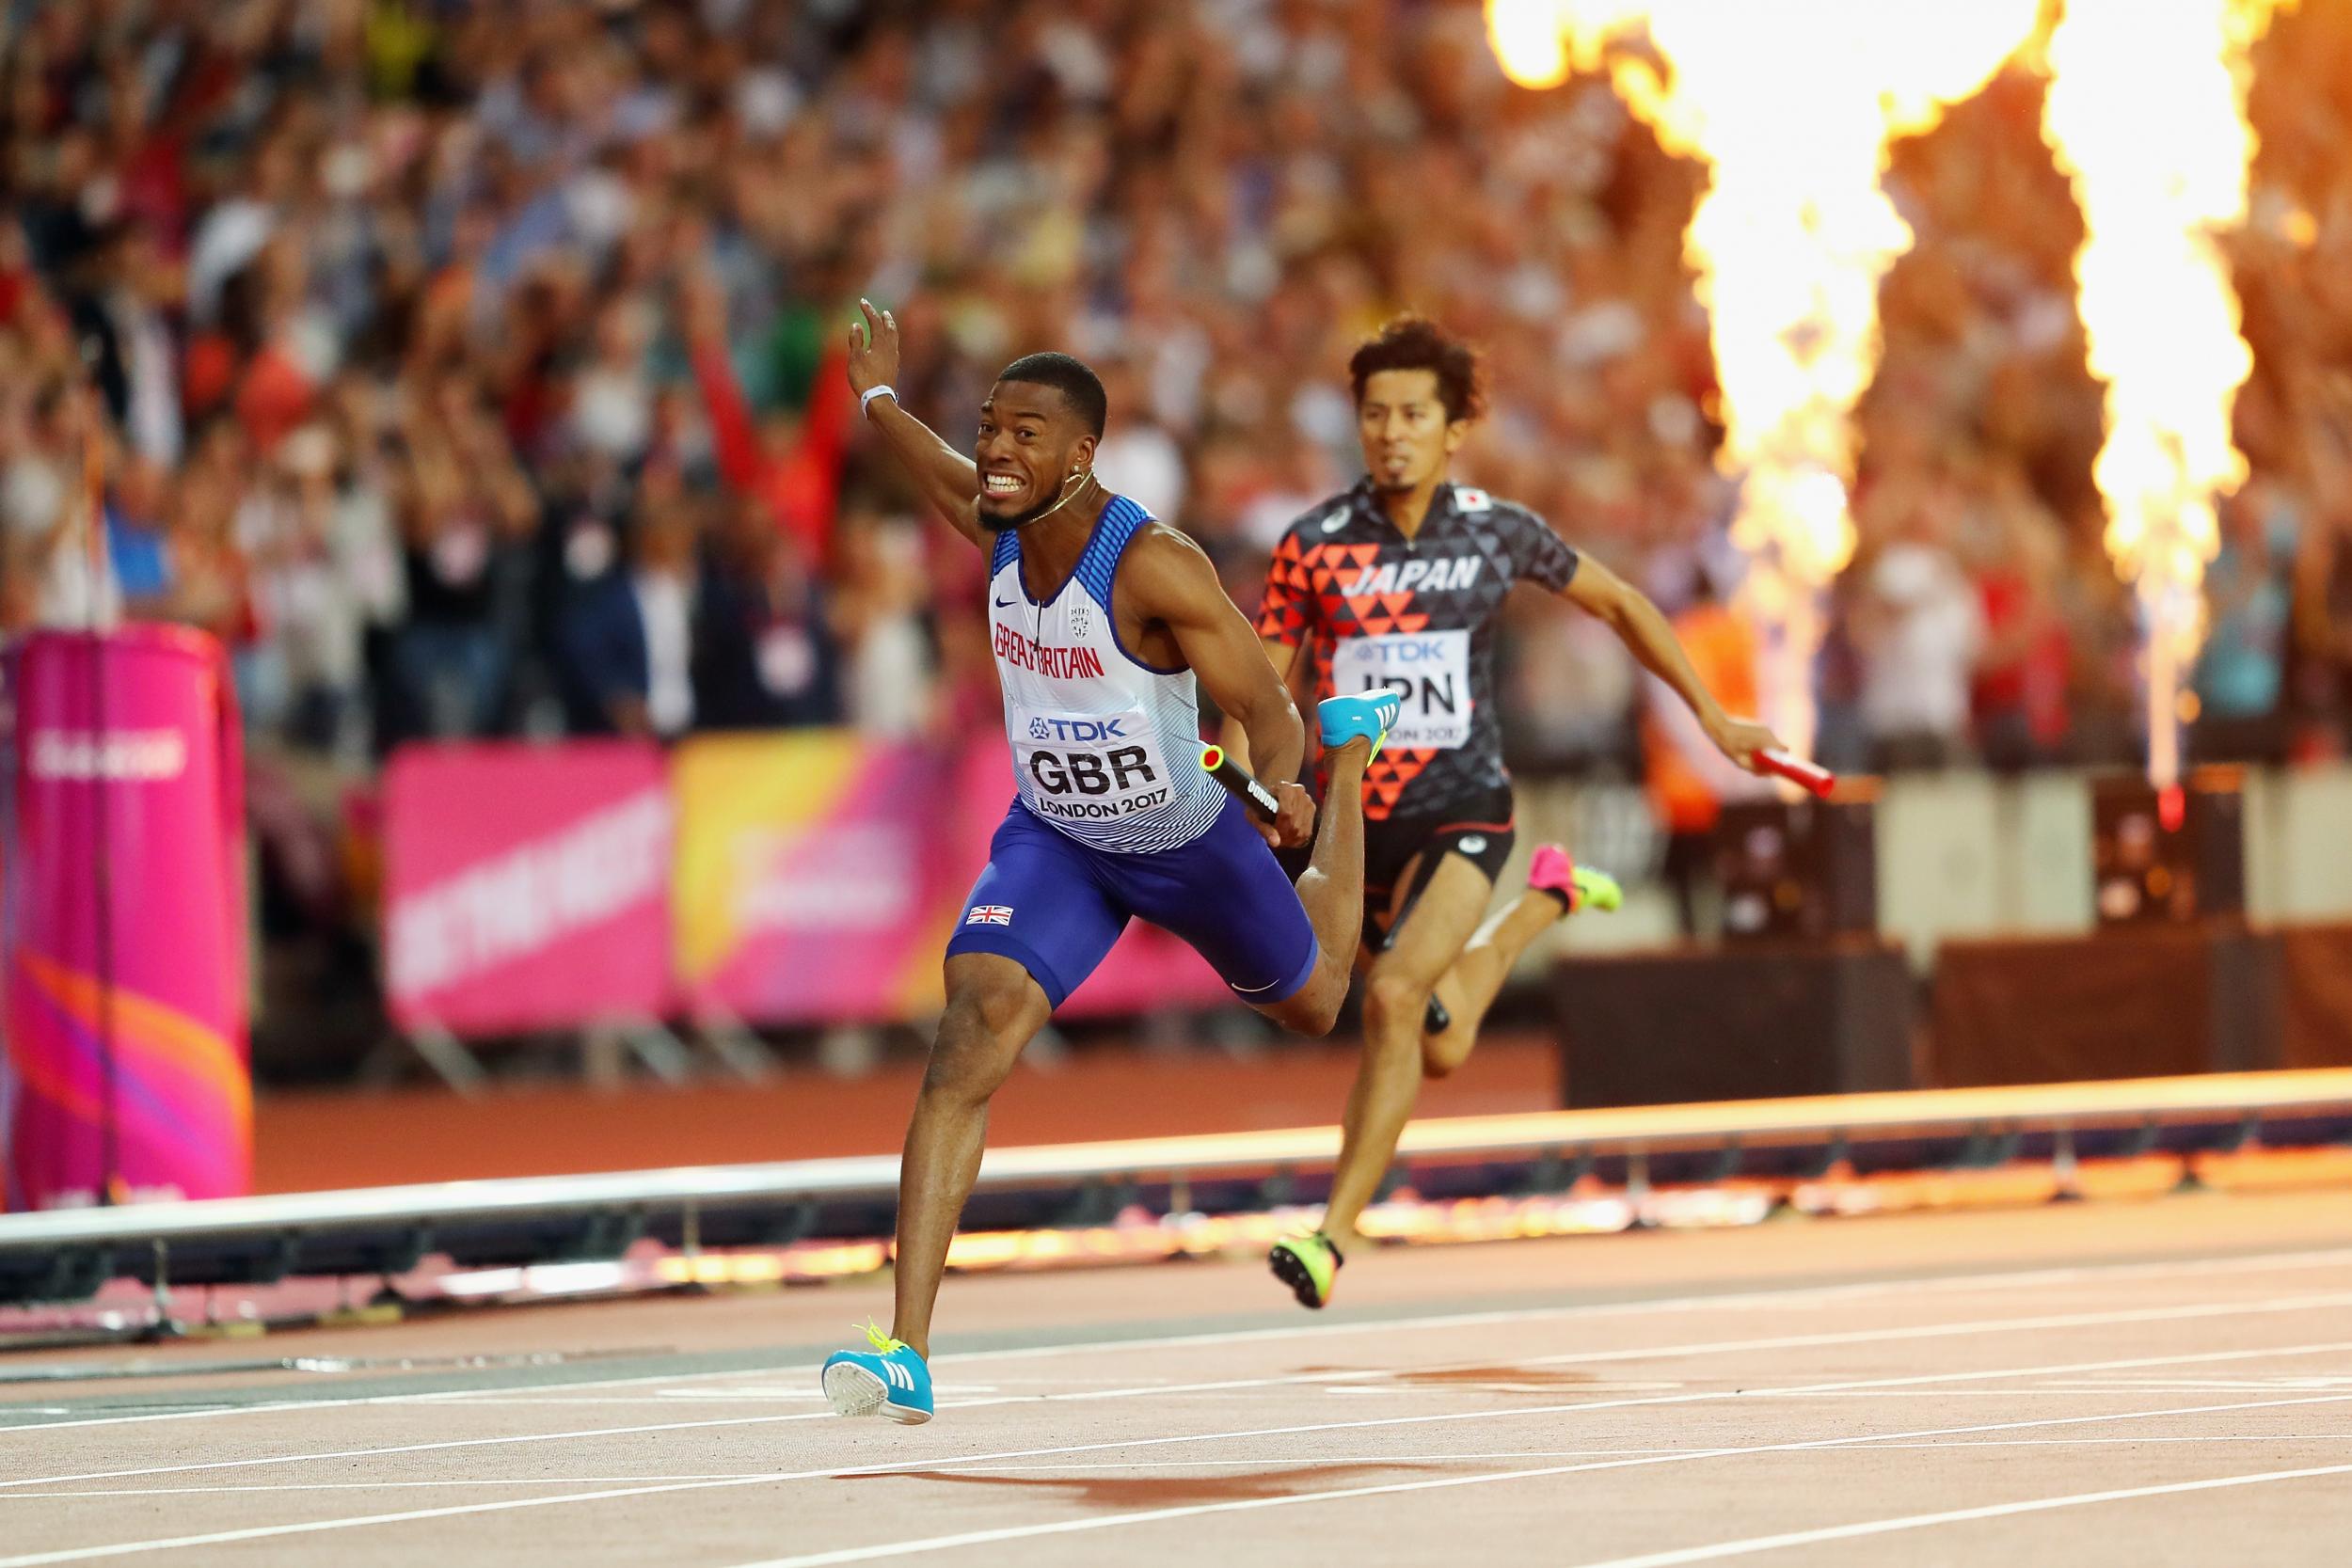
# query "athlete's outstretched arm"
(1647, 635)
(947, 478)
(1175, 584)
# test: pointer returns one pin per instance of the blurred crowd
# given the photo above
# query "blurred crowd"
(473, 365)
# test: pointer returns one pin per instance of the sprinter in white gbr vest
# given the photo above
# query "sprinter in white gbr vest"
(1100, 619)
(1398, 585)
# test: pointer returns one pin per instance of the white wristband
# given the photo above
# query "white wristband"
(865, 399)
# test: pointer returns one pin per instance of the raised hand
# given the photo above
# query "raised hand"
(873, 349)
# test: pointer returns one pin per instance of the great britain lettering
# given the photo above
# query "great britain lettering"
(1061, 664)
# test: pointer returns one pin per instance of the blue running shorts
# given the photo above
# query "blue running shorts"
(1054, 906)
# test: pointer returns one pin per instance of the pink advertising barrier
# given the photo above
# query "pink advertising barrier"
(138, 1089)
(815, 881)
(820, 876)
(526, 886)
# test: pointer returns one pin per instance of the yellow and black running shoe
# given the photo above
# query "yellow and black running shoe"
(1308, 1264)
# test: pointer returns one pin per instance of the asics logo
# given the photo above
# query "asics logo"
(899, 1377)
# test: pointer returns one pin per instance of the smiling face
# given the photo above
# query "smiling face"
(1030, 447)
(1407, 439)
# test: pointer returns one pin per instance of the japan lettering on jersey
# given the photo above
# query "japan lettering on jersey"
(1416, 616)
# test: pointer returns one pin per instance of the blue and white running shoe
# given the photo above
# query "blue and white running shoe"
(889, 1381)
(1370, 714)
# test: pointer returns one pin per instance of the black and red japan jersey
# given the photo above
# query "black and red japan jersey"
(1417, 615)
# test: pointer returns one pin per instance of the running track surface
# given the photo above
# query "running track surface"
(2111, 1384)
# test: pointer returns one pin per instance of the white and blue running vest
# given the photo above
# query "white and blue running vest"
(1105, 747)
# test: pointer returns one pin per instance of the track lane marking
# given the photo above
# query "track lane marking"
(1156, 1515)
(1968, 1328)
(1953, 1517)
(313, 1527)
(1799, 1296)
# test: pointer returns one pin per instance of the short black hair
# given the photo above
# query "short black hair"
(1080, 387)
(1418, 344)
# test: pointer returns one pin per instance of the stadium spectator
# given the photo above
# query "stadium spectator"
(509, 255)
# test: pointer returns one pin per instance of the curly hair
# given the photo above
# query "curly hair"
(1418, 344)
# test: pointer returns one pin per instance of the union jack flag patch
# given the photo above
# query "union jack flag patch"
(990, 915)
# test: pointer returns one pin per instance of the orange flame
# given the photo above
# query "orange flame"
(1792, 115)
(2148, 121)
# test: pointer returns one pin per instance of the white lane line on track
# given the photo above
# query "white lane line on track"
(260, 1531)
(1728, 1301)
(387, 1485)
(1260, 1461)
(800, 1396)
(1114, 1521)
(1369, 1379)
(1969, 1327)
(904, 1548)
(1728, 1347)
(1954, 1516)
(1799, 1296)
(1264, 1462)
(444, 1444)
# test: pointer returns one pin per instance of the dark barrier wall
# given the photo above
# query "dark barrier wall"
(2127, 1003)
(2315, 970)
(1741, 1024)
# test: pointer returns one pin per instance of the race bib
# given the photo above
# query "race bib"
(1090, 768)
(1428, 670)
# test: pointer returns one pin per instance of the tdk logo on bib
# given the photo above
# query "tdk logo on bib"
(1429, 670)
(1078, 731)
(1092, 767)
(1400, 653)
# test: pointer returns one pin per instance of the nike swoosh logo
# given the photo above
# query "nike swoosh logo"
(1003, 604)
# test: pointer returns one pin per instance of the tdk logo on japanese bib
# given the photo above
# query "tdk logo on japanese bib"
(1405, 651)
(1079, 731)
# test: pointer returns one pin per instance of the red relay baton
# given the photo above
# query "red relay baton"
(1797, 770)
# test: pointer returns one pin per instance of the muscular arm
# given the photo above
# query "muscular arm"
(949, 480)
(1628, 611)
(946, 478)
(1174, 583)
(1230, 734)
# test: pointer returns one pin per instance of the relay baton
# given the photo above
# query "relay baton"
(1797, 770)
(1234, 776)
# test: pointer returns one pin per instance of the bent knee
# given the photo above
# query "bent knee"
(1314, 1009)
(980, 1036)
(995, 1009)
(1391, 998)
